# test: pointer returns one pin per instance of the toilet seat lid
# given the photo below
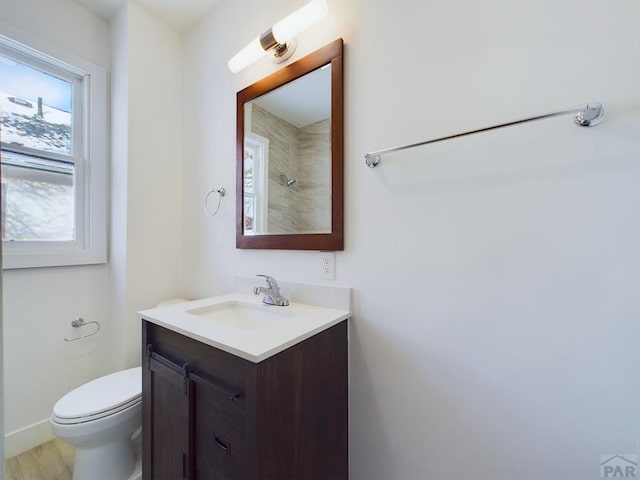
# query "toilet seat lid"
(102, 395)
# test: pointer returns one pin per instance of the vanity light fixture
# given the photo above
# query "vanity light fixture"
(279, 40)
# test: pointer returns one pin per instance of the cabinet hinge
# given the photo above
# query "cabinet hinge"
(185, 377)
(149, 352)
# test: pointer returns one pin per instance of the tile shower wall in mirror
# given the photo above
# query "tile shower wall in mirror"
(298, 176)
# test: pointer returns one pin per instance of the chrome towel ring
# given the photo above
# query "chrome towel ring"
(80, 322)
(221, 192)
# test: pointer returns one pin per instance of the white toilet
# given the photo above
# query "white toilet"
(100, 419)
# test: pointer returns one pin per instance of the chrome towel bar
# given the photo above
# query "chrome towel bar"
(586, 116)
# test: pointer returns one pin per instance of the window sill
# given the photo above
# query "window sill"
(18, 257)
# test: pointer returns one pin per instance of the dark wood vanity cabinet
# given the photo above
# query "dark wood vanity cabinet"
(208, 414)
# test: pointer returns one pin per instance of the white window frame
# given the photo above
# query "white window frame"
(260, 147)
(90, 161)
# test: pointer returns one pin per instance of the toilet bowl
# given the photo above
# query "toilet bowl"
(100, 419)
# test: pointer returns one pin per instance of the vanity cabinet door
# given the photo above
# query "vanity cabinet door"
(166, 421)
(210, 418)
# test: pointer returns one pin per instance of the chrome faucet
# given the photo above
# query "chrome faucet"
(272, 295)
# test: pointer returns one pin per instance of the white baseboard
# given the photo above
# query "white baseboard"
(26, 438)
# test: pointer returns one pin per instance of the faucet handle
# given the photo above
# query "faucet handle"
(271, 282)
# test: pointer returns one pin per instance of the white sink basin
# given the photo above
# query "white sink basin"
(242, 315)
(244, 326)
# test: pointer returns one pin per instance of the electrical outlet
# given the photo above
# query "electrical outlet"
(328, 265)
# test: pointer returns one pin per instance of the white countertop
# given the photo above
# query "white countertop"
(281, 327)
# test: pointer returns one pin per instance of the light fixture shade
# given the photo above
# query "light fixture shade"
(278, 38)
(289, 27)
(246, 56)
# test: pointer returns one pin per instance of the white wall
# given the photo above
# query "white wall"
(146, 249)
(118, 174)
(39, 304)
(495, 331)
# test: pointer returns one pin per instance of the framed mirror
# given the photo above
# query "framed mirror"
(290, 168)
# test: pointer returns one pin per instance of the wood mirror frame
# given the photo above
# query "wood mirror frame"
(333, 240)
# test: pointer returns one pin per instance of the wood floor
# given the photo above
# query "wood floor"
(51, 461)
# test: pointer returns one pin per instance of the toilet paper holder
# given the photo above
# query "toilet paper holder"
(81, 322)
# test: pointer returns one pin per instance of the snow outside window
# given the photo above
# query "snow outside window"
(53, 139)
